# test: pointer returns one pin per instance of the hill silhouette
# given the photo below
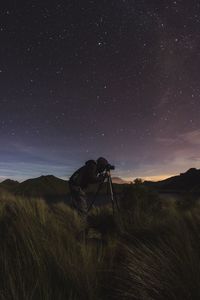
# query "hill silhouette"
(185, 182)
(52, 188)
(9, 185)
(43, 186)
(119, 180)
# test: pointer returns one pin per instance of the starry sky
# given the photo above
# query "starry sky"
(83, 79)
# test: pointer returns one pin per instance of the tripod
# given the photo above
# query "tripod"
(110, 192)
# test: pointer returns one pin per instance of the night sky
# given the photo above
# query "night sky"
(83, 79)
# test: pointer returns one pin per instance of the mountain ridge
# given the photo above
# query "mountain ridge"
(47, 186)
(52, 186)
(188, 181)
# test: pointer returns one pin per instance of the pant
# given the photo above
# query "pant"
(79, 199)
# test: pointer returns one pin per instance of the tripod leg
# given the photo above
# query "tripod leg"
(115, 197)
(95, 196)
(111, 193)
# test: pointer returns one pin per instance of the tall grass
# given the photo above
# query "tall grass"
(148, 250)
(166, 266)
(43, 253)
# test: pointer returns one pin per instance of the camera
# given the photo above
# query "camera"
(110, 167)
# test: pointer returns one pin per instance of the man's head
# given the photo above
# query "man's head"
(101, 164)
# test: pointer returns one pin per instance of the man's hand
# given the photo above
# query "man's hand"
(102, 176)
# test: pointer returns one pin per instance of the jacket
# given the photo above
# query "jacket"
(86, 175)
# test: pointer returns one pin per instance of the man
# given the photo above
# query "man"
(90, 173)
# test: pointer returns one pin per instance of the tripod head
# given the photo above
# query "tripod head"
(110, 167)
(106, 173)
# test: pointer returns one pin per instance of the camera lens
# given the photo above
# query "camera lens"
(110, 167)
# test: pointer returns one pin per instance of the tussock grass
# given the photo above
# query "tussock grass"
(149, 250)
(165, 267)
(42, 255)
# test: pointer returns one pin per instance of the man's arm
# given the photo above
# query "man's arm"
(92, 174)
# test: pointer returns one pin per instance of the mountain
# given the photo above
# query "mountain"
(52, 188)
(9, 185)
(185, 182)
(119, 180)
(43, 186)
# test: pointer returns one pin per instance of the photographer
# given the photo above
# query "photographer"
(92, 172)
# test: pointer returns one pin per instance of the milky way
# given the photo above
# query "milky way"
(83, 79)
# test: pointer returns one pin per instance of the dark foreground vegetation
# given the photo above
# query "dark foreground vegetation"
(149, 250)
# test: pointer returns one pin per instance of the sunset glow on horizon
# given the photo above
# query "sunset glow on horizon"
(118, 79)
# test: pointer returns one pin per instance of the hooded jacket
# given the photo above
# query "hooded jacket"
(86, 175)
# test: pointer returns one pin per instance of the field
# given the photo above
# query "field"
(148, 250)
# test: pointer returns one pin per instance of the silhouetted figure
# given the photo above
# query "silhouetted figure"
(90, 173)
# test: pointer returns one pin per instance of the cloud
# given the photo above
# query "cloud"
(22, 171)
(166, 141)
(160, 157)
(164, 100)
(158, 177)
(20, 161)
(192, 137)
(186, 139)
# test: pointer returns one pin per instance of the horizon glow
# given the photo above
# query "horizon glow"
(118, 79)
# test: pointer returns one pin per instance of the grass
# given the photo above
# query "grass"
(149, 250)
